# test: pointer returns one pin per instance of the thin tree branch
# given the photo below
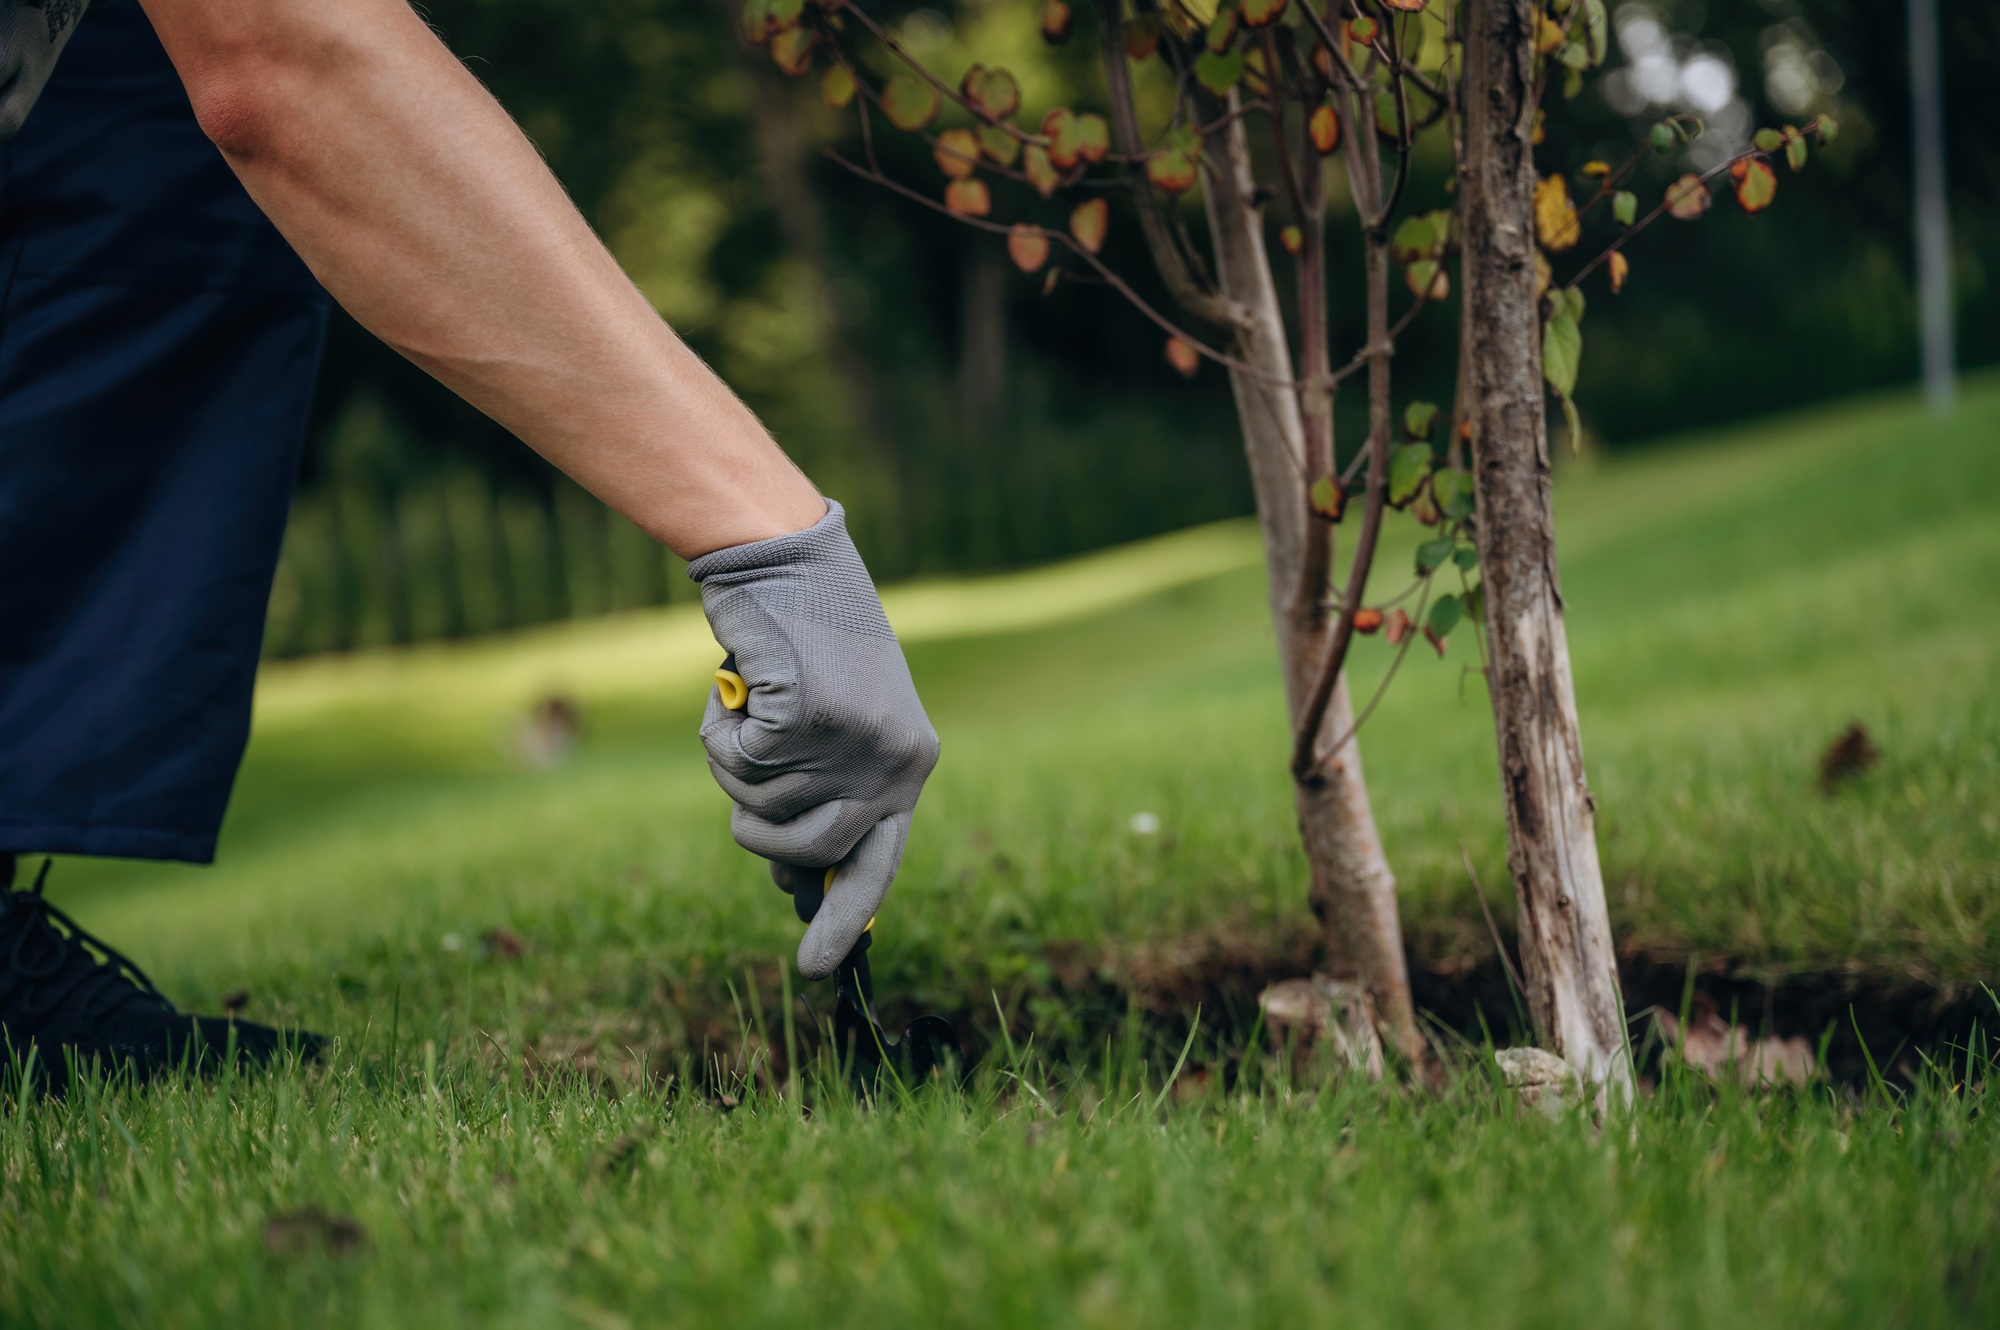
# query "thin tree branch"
(1103, 270)
(1180, 269)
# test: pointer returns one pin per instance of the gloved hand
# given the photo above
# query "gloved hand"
(826, 758)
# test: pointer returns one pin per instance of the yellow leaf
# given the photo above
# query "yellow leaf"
(1620, 269)
(1555, 215)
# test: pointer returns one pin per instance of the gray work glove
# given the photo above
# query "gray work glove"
(32, 35)
(827, 756)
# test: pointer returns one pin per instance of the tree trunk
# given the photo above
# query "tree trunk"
(1353, 889)
(1570, 968)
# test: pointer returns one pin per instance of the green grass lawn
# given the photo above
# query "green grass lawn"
(1735, 600)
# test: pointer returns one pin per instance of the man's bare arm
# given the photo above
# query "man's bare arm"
(428, 215)
(32, 35)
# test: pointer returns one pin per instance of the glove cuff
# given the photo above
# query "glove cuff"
(824, 540)
(814, 574)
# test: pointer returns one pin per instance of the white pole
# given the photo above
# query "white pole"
(1933, 221)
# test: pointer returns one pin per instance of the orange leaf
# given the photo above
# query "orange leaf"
(957, 153)
(1057, 20)
(1324, 127)
(1089, 223)
(1556, 222)
(968, 197)
(1361, 31)
(1427, 280)
(1399, 628)
(1292, 239)
(1620, 268)
(1687, 198)
(1181, 354)
(1028, 246)
(1367, 621)
(1041, 174)
(1756, 183)
(1435, 641)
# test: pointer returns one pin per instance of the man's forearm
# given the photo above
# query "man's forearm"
(427, 214)
(32, 36)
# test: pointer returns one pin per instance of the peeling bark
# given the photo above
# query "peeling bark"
(1570, 969)
(1353, 889)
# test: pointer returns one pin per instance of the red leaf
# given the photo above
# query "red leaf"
(1180, 354)
(1028, 246)
(969, 197)
(1361, 31)
(1435, 641)
(1057, 20)
(1324, 126)
(1089, 223)
(1142, 37)
(1398, 628)
(957, 153)
(1367, 621)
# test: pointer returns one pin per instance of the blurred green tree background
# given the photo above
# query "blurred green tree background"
(970, 420)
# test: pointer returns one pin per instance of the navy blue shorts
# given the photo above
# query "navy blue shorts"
(159, 343)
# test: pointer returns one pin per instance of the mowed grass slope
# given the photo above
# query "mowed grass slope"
(501, 1133)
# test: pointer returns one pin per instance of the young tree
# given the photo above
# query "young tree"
(1250, 102)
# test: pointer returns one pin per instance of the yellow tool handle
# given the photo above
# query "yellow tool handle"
(731, 687)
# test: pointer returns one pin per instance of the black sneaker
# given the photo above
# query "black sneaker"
(60, 1000)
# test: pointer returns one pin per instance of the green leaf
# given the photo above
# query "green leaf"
(1562, 352)
(1418, 417)
(1566, 302)
(1218, 71)
(1596, 31)
(1408, 465)
(909, 103)
(1475, 603)
(1624, 206)
(1768, 140)
(1466, 557)
(1222, 31)
(1452, 490)
(1432, 554)
(1414, 239)
(1795, 149)
(1662, 136)
(1445, 613)
(1828, 130)
(1326, 498)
